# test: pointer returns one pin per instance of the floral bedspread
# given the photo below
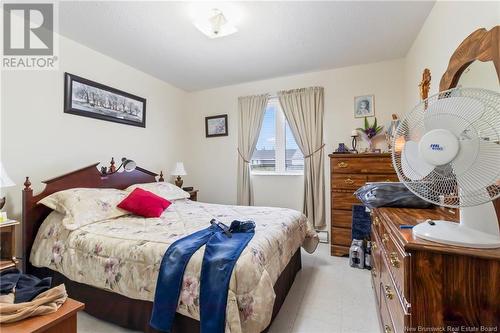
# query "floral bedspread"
(124, 254)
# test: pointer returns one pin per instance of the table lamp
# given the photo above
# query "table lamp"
(354, 136)
(5, 181)
(127, 164)
(179, 171)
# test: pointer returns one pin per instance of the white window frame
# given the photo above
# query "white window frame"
(280, 145)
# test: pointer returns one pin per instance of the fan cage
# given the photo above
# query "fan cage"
(446, 185)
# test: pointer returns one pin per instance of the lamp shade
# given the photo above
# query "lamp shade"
(128, 165)
(5, 180)
(179, 169)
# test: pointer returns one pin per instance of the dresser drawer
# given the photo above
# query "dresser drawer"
(382, 178)
(377, 226)
(376, 251)
(341, 236)
(341, 218)
(385, 317)
(395, 257)
(347, 181)
(376, 265)
(393, 301)
(339, 250)
(368, 164)
(344, 200)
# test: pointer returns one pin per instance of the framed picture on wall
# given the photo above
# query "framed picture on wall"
(364, 106)
(216, 126)
(87, 98)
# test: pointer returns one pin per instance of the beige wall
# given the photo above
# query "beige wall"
(448, 24)
(212, 161)
(40, 141)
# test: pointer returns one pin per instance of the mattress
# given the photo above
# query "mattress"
(123, 255)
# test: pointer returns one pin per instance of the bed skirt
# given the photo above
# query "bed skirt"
(135, 314)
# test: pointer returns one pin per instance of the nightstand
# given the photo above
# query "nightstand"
(8, 244)
(63, 320)
(193, 195)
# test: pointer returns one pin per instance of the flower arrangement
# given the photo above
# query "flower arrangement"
(370, 131)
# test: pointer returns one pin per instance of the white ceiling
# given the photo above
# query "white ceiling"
(274, 38)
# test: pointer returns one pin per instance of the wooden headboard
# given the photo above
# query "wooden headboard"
(34, 214)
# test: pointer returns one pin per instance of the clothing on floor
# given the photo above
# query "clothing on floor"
(24, 286)
(47, 302)
(222, 250)
(361, 222)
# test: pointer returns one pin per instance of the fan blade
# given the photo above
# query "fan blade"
(466, 157)
(456, 114)
(413, 166)
(472, 176)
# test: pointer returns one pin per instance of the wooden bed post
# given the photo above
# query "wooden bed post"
(112, 167)
(26, 227)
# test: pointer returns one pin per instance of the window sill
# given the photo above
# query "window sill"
(270, 173)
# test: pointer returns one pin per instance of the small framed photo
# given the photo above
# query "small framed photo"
(364, 106)
(216, 126)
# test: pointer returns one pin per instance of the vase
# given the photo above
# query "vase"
(371, 146)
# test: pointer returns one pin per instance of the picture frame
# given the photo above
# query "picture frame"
(86, 98)
(364, 106)
(216, 126)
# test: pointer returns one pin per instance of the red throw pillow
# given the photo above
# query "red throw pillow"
(144, 203)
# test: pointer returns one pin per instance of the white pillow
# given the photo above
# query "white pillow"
(82, 206)
(163, 189)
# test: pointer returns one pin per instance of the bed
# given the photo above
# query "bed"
(112, 265)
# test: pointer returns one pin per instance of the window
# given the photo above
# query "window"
(276, 150)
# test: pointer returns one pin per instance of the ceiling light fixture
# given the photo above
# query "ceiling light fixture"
(215, 25)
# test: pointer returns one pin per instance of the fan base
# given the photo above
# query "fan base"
(452, 233)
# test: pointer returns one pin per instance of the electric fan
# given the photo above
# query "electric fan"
(447, 151)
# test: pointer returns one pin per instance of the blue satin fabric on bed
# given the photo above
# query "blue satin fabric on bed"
(221, 254)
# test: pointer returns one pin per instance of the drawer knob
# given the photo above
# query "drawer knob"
(348, 181)
(342, 165)
(387, 329)
(388, 292)
(388, 180)
(385, 238)
(395, 262)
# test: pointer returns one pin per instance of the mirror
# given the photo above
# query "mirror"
(480, 75)
(479, 55)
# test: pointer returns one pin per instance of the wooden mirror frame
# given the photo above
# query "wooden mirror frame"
(482, 45)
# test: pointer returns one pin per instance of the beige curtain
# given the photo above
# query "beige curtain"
(251, 115)
(304, 109)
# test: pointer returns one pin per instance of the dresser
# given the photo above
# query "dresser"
(420, 284)
(348, 172)
(64, 320)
